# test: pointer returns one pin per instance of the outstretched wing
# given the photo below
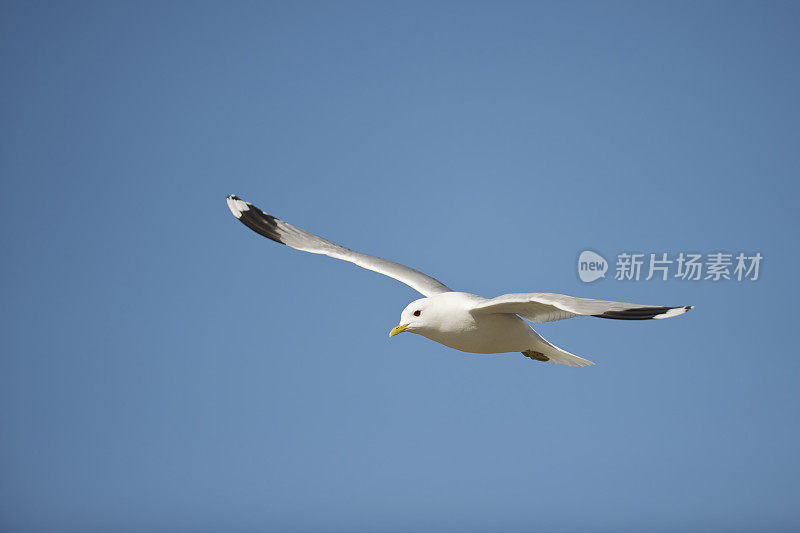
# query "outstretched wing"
(279, 231)
(546, 307)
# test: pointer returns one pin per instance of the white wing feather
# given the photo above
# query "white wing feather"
(547, 307)
(284, 233)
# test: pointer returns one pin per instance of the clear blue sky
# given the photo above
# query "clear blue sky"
(165, 369)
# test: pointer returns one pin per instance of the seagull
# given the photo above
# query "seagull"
(460, 320)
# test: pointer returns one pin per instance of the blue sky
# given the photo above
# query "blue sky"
(165, 369)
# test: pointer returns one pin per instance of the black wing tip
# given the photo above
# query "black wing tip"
(646, 313)
(254, 218)
(237, 205)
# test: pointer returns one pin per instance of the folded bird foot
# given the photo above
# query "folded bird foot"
(539, 356)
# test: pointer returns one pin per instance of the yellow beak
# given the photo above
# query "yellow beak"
(398, 329)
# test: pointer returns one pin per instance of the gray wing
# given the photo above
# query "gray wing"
(546, 307)
(279, 231)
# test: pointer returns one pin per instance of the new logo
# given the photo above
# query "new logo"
(591, 266)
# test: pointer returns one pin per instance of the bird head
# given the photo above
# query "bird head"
(414, 317)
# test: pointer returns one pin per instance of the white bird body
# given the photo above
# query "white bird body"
(461, 320)
(449, 319)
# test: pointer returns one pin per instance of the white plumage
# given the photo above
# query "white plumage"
(460, 320)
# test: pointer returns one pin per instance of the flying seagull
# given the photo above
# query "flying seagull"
(460, 320)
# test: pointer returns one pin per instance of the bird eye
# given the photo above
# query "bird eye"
(416, 313)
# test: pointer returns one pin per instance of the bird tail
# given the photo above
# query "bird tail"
(541, 350)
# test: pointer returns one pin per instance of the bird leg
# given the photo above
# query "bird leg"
(539, 356)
